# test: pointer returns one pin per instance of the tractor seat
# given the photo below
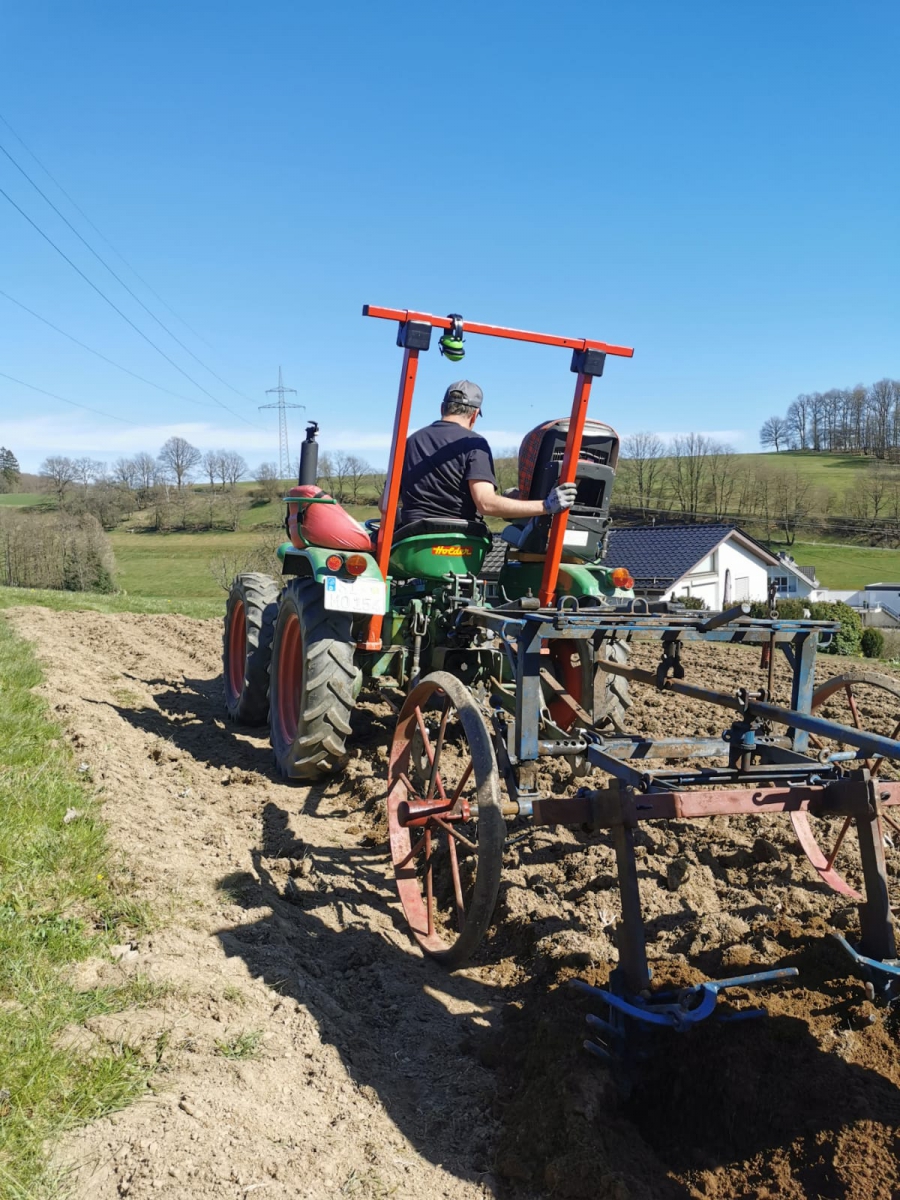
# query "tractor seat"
(326, 525)
(437, 525)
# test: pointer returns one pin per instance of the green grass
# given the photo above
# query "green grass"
(241, 1045)
(95, 602)
(24, 500)
(841, 566)
(59, 903)
(836, 472)
(177, 565)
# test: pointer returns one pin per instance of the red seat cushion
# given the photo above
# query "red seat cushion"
(326, 525)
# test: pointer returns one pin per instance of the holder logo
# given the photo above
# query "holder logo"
(452, 551)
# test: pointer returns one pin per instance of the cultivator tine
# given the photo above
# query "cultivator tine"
(679, 1010)
(882, 976)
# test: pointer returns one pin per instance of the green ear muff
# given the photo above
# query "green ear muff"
(451, 344)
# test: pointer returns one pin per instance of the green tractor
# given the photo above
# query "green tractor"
(396, 607)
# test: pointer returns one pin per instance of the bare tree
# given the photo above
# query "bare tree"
(58, 473)
(645, 453)
(774, 433)
(357, 469)
(86, 470)
(210, 463)
(266, 476)
(233, 467)
(326, 473)
(689, 468)
(178, 459)
(722, 478)
(339, 473)
(125, 473)
(798, 421)
(145, 471)
(792, 499)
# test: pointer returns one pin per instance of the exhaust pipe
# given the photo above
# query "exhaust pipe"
(309, 457)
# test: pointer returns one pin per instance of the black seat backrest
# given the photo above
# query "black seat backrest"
(540, 461)
(545, 448)
(442, 525)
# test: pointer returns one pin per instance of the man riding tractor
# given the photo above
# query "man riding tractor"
(448, 471)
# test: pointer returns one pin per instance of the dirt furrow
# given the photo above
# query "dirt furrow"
(305, 1049)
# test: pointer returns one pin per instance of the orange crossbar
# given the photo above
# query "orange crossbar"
(518, 335)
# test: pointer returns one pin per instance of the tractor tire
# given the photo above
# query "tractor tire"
(612, 693)
(247, 647)
(313, 684)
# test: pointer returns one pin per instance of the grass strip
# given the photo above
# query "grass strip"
(59, 904)
(113, 603)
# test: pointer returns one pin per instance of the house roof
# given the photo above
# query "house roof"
(808, 573)
(659, 555)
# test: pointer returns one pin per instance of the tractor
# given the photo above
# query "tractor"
(387, 606)
(495, 673)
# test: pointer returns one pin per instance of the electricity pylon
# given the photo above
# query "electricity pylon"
(284, 457)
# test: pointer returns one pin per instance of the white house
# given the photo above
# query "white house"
(719, 564)
(794, 582)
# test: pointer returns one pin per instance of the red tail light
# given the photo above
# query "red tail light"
(621, 578)
(334, 562)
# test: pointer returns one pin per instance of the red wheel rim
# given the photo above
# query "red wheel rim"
(289, 679)
(824, 858)
(413, 849)
(237, 650)
(568, 670)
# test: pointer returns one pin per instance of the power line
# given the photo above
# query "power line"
(106, 240)
(74, 403)
(119, 279)
(116, 308)
(91, 350)
(284, 454)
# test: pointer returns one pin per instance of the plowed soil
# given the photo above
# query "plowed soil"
(306, 1049)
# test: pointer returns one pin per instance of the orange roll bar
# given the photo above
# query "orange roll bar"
(395, 470)
(566, 475)
(518, 335)
(401, 429)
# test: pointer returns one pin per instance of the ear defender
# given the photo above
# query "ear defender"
(451, 344)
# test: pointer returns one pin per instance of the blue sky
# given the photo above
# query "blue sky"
(715, 184)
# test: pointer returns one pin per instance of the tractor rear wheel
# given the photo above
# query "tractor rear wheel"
(247, 646)
(313, 683)
(612, 694)
(603, 696)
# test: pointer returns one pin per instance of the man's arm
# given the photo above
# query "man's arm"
(489, 504)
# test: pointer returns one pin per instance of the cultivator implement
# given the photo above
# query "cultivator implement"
(491, 688)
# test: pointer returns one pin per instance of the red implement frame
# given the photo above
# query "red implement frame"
(401, 428)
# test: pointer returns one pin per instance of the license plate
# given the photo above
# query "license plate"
(356, 595)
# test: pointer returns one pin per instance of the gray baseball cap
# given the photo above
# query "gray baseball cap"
(464, 392)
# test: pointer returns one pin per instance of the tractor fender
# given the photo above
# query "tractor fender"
(312, 562)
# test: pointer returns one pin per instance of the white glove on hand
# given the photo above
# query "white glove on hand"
(561, 498)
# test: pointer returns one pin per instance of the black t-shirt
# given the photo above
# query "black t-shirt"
(440, 461)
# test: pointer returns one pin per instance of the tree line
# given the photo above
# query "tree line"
(855, 420)
(695, 478)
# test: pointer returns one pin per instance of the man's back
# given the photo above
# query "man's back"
(440, 461)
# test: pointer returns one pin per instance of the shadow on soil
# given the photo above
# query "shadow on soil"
(487, 1079)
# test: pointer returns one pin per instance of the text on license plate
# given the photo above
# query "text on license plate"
(355, 595)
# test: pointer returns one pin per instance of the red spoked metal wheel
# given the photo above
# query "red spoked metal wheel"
(247, 645)
(862, 700)
(445, 820)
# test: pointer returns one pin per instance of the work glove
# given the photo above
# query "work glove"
(561, 498)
